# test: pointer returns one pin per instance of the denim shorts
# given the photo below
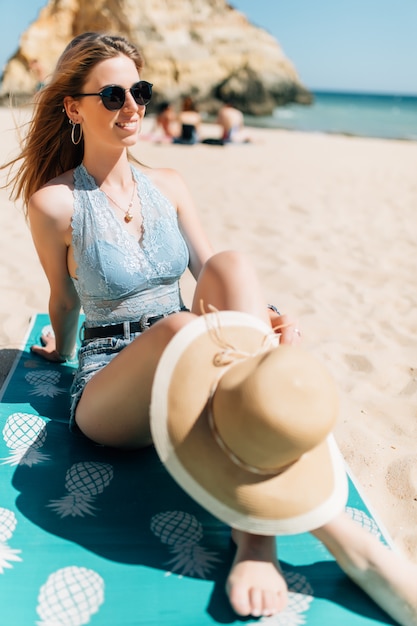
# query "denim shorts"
(92, 357)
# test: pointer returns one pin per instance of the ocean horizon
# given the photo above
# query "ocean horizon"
(385, 116)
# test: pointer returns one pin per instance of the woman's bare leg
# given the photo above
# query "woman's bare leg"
(386, 576)
(114, 407)
(228, 282)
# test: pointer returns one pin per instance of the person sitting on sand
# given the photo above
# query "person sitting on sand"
(232, 123)
(39, 73)
(115, 237)
(190, 121)
(165, 122)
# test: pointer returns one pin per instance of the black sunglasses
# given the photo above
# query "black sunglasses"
(113, 97)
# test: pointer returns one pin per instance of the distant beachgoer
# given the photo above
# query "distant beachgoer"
(166, 122)
(232, 122)
(190, 120)
(38, 71)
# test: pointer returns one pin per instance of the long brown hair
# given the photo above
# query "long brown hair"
(47, 150)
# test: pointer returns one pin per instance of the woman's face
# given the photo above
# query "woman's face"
(118, 128)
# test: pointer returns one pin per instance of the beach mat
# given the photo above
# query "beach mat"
(92, 535)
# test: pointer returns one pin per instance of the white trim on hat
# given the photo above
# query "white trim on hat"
(291, 526)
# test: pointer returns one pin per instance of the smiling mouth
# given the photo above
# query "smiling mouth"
(127, 125)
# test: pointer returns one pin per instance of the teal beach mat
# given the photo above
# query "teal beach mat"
(92, 535)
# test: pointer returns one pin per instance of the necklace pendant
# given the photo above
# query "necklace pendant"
(128, 217)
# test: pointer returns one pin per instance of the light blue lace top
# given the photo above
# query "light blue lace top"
(118, 278)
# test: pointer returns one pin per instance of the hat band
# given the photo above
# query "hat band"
(231, 455)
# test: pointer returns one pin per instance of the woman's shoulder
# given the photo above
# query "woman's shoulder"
(54, 195)
(169, 182)
(162, 176)
(64, 180)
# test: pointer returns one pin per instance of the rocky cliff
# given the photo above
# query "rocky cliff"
(203, 48)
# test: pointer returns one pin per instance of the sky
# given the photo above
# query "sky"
(342, 45)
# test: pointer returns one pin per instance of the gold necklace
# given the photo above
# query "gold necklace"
(128, 217)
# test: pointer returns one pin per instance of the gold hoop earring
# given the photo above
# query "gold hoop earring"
(80, 135)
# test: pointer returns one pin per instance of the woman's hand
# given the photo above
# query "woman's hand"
(287, 328)
(47, 350)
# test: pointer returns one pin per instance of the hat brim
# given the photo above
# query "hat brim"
(305, 496)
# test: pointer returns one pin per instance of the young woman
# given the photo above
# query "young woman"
(190, 121)
(115, 238)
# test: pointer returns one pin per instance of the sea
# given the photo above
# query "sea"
(356, 114)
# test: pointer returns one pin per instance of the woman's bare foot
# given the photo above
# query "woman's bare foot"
(255, 585)
(386, 576)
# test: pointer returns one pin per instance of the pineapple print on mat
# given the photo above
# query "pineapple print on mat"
(300, 596)
(182, 532)
(8, 523)
(83, 482)
(70, 596)
(364, 520)
(44, 383)
(24, 434)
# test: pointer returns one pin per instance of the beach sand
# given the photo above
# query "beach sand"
(330, 224)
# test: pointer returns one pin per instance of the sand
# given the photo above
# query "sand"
(330, 224)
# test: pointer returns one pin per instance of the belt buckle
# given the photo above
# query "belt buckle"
(144, 322)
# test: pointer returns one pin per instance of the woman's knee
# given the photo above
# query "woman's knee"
(228, 281)
(171, 324)
(163, 331)
(230, 262)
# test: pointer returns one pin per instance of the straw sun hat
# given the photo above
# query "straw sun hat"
(243, 425)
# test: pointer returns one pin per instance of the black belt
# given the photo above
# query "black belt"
(124, 328)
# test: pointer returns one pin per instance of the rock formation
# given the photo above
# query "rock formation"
(203, 48)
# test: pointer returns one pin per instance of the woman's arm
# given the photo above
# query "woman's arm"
(49, 212)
